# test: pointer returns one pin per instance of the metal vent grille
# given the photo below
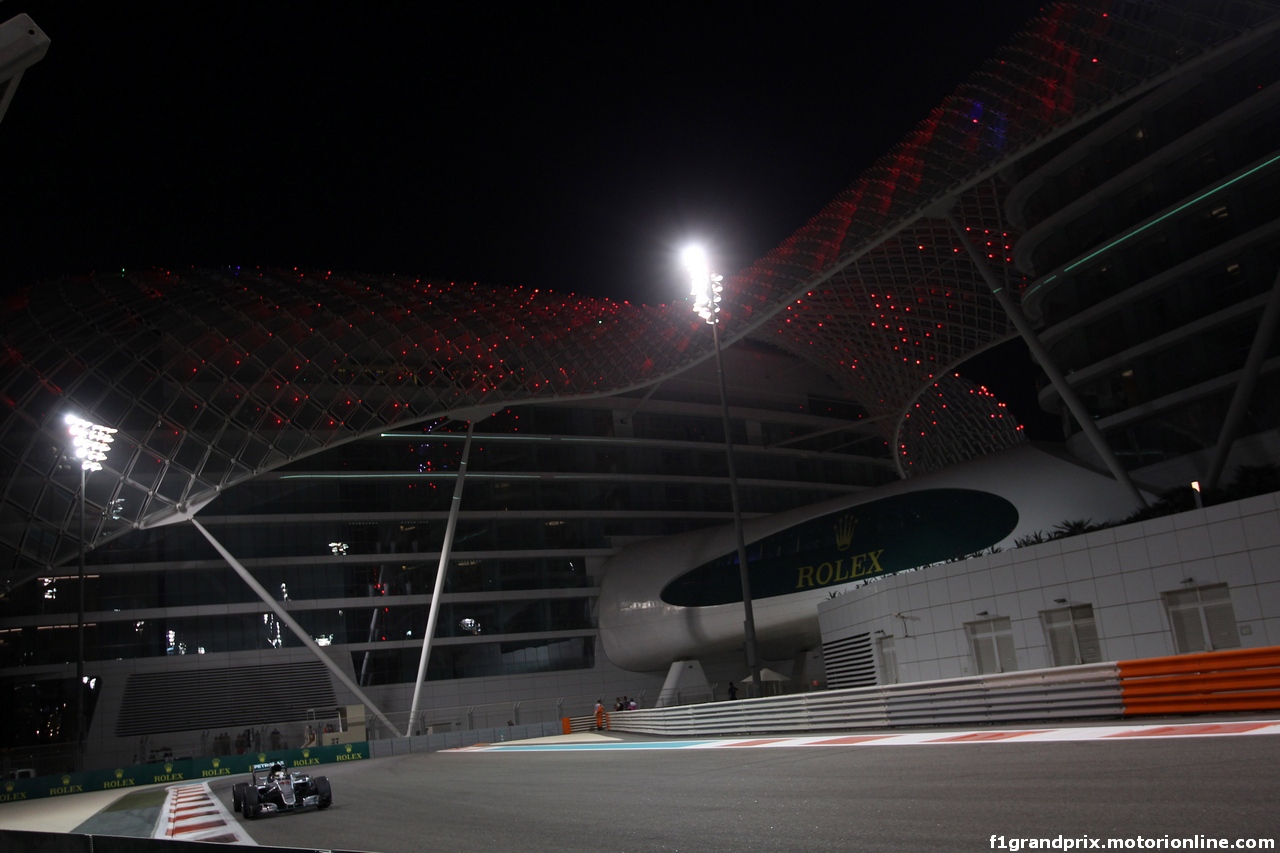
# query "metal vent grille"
(231, 698)
(850, 662)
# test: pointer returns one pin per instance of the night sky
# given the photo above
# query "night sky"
(570, 146)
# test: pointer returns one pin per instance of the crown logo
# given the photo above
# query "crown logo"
(8, 786)
(262, 756)
(66, 779)
(348, 748)
(120, 773)
(844, 532)
(306, 753)
(217, 762)
(168, 767)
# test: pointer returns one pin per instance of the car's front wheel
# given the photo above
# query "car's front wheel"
(237, 796)
(324, 791)
(251, 809)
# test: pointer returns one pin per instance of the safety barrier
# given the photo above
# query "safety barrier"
(1237, 680)
(1076, 692)
(178, 770)
(455, 740)
(1244, 680)
(199, 769)
(585, 723)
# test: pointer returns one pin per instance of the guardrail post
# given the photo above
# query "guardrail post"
(471, 717)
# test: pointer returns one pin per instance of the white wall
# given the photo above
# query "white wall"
(1120, 571)
(639, 631)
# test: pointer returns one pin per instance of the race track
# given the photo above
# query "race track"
(952, 793)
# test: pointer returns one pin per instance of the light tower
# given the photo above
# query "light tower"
(706, 290)
(89, 442)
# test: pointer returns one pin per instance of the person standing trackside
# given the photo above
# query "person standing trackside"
(599, 715)
(733, 691)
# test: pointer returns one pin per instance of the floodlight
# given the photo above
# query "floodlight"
(91, 441)
(705, 285)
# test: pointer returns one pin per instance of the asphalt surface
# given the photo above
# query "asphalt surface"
(893, 798)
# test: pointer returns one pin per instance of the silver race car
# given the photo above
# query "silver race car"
(272, 789)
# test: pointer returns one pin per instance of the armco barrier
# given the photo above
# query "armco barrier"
(179, 770)
(1237, 680)
(1075, 692)
(461, 738)
(585, 723)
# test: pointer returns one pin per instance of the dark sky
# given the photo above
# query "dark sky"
(571, 146)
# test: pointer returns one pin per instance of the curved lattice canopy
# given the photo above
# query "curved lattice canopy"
(214, 376)
(878, 287)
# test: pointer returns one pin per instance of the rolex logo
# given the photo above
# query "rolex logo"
(348, 748)
(66, 779)
(217, 762)
(844, 532)
(120, 773)
(306, 753)
(8, 786)
(168, 768)
(262, 756)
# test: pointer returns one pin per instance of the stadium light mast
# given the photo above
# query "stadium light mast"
(706, 290)
(89, 443)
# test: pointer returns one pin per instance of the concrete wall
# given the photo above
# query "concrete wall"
(1120, 571)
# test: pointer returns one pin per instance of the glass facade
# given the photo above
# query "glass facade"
(349, 540)
(1156, 239)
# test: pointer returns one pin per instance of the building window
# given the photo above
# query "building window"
(1202, 619)
(1072, 635)
(991, 643)
(888, 660)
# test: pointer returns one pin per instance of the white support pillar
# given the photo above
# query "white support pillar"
(445, 548)
(685, 681)
(1041, 355)
(284, 616)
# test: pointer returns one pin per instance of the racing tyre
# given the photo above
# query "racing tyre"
(324, 791)
(237, 796)
(251, 809)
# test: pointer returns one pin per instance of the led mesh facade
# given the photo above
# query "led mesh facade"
(212, 377)
(887, 299)
(215, 376)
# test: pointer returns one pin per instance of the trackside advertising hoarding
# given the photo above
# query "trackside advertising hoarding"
(176, 772)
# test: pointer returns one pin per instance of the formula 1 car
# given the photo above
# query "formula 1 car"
(271, 789)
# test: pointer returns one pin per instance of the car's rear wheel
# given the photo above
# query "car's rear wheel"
(324, 791)
(251, 809)
(237, 796)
